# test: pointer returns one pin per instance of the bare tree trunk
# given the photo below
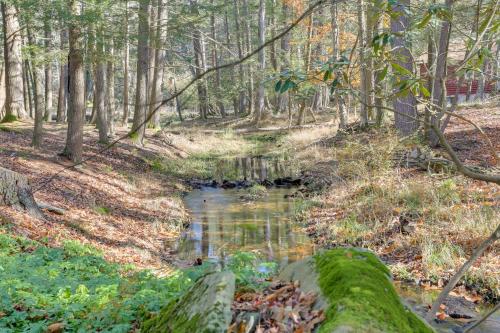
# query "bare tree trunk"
(215, 63)
(241, 106)
(48, 73)
(62, 97)
(76, 105)
(198, 48)
(249, 67)
(363, 62)
(260, 113)
(159, 63)
(228, 45)
(139, 126)
(438, 97)
(29, 91)
(39, 95)
(336, 55)
(110, 89)
(14, 104)
(126, 51)
(405, 106)
(285, 56)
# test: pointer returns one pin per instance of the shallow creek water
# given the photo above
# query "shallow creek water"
(224, 222)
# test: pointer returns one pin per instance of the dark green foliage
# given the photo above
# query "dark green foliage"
(360, 294)
(75, 286)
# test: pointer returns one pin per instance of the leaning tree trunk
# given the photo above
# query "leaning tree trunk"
(15, 191)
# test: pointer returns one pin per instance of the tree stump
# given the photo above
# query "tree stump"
(15, 191)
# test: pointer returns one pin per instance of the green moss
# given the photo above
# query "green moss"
(168, 321)
(9, 118)
(361, 296)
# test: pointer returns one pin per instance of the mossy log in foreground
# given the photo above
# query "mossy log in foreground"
(205, 308)
(360, 295)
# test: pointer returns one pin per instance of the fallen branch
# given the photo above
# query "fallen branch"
(486, 316)
(52, 209)
(461, 272)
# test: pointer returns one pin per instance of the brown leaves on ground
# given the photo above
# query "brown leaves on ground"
(282, 307)
(114, 202)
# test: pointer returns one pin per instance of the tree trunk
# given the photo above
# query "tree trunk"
(249, 67)
(405, 107)
(285, 55)
(199, 57)
(15, 191)
(76, 105)
(363, 62)
(215, 63)
(241, 106)
(260, 113)
(110, 89)
(100, 103)
(438, 97)
(159, 62)
(48, 73)
(14, 104)
(336, 55)
(139, 125)
(39, 95)
(126, 51)
(62, 98)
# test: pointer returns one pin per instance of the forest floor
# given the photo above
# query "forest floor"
(127, 202)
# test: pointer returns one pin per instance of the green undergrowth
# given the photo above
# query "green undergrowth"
(75, 286)
(194, 166)
(361, 296)
(8, 118)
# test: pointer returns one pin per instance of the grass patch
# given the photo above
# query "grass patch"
(8, 118)
(101, 210)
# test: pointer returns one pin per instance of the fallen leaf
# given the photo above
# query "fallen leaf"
(55, 328)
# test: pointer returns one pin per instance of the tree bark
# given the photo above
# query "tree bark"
(241, 106)
(139, 126)
(62, 98)
(215, 63)
(14, 104)
(38, 94)
(48, 73)
(405, 116)
(15, 191)
(260, 112)
(159, 62)
(199, 57)
(110, 89)
(126, 51)
(76, 105)
(363, 62)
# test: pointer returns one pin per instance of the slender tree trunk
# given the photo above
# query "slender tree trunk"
(260, 113)
(62, 97)
(178, 105)
(14, 104)
(100, 103)
(139, 125)
(228, 45)
(336, 54)
(363, 62)
(126, 51)
(76, 105)
(48, 73)
(159, 63)
(198, 48)
(215, 63)
(438, 97)
(405, 106)
(285, 56)
(249, 67)
(241, 106)
(110, 89)
(39, 95)
(29, 91)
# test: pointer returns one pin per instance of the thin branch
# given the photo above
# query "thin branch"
(270, 41)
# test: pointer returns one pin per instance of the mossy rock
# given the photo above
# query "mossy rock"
(356, 292)
(205, 308)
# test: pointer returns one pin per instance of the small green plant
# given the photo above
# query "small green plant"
(101, 210)
(250, 270)
(255, 192)
(447, 192)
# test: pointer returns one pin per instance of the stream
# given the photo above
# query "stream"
(224, 221)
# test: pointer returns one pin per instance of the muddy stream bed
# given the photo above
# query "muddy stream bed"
(225, 221)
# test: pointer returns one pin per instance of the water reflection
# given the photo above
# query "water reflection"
(222, 224)
(256, 168)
